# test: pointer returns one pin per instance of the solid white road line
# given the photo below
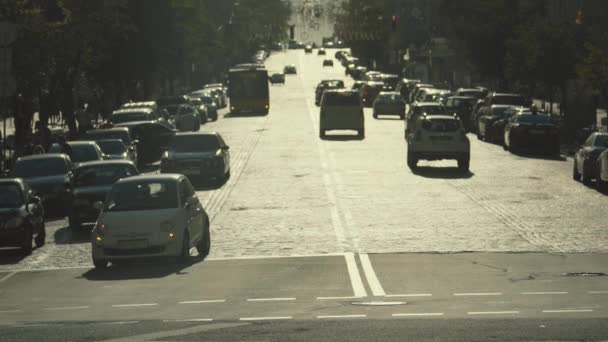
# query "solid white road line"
(417, 314)
(597, 292)
(370, 275)
(265, 318)
(339, 297)
(545, 293)
(479, 294)
(203, 301)
(257, 257)
(355, 277)
(270, 299)
(410, 295)
(10, 311)
(122, 322)
(68, 308)
(6, 277)
(133, 305)
(341, 316)
(492, 312)
(568, 311)
(189, 320)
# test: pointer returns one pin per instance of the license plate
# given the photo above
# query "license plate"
(133, 243)
(191, 172)
(536, 131)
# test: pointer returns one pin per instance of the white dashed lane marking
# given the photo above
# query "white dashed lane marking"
(341, 316)
(203, 301)
(568, 311)
(417, 314)
(68, 308)
(410, 295)
(597, 292)
(492, 312)
(265, 318)
(270, 299)
(133, 305)
(545, 293)
(478, 294)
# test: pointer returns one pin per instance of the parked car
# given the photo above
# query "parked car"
(158, 216)
(373, 76)
(92, 182)
(210, 103)
(277, 78)
(116, 149)
(324, 85)
(601, 177)
(219, 91)
(463, 107)
(21, 216)
(528, 129)
(308, 49)
(418, 110)
(184, 117)
(404, 87)
(82, 151)
(390, 81)
(321, 52)
(492, 121)
(50, 177)
(358, 84)
(290, 70)
(328, 62)
(341, 110)
(358, 72)
(121, 133)
(200, 109)
(369, 91)
(438, 137)
(586, 158)
(417, 88)
(389, 103)
(133, 114)
(199, 156)
(470, 92)
(340, 54)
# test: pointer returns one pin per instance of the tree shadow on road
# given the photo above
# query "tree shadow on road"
(141, 269)
(206, 185)
(243, 115)
(539, 155)
(446, 172)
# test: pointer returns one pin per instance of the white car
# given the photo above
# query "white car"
(438, 137)
(150, 216)
(184, 117)
(602, 172)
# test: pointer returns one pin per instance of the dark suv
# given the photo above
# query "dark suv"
(324, 85)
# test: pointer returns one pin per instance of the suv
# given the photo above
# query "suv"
(438, 137)
(341, 109)
(324, 85)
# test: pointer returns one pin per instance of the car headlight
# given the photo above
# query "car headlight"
(14, 223)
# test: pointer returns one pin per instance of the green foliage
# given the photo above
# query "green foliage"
(593, 69)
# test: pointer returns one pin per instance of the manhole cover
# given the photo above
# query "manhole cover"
(379, 303)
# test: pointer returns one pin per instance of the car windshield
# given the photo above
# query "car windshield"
(112, 146)
(601, 141)
(194, 143)
(341, 99)
(99, 175)
(441, 125)
(84, 153)
(534, 119)
(143, 195)
(40, 167)
(173, 109)
(10, 196)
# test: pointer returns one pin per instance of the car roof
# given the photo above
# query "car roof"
(477, 90)
(427, 104)
(389, 93)
(133, 110)
(461, 97)
(105, 130)
(109, 140)
(82, 143)
(142, 104)
(185, 134)
(44, 156)
(502, 106)
(375, 83)
(106, 162)
(505, 94)
(344, 90)
(151, 177)
(17, 181)
(441, 117)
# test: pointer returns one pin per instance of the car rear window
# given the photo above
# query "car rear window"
(129, 117)
(102, 174)
(441, 125)
(194, 143)
(341, 99)
(144, 195)
(84, 153)
(40, 167)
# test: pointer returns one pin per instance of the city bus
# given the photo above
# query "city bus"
(248, 89)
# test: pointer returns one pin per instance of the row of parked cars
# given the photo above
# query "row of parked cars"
(97, 180)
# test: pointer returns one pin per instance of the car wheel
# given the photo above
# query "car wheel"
(412, 161)
(204, 246)
(100, 263)
(602, 186)
(26, 244)
(361, 133)
(586, 177)
(575, 175)
(185, 252)
(41, 236)
(463, 163)
(197, 127)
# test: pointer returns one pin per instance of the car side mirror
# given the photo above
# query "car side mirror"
(34, 200)
(98, 205)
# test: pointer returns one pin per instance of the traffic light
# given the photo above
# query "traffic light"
(394, 23)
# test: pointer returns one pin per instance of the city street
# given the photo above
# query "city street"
(310, 230)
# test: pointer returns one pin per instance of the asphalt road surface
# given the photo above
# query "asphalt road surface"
(338, 240)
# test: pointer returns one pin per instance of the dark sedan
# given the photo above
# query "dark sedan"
(82, 151)
(290, 70)
(369, 92)
(154, 135)
(21, 216)
(121, 133)
(462, 106)
(50, 176)
(116, 149)
(92, 182)
(586, 158)
(492, 121)
(531, 130)
(198, 155)
(324, 85)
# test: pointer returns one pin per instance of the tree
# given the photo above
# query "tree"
(593, 69)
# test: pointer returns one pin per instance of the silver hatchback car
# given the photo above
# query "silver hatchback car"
(150, 216)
